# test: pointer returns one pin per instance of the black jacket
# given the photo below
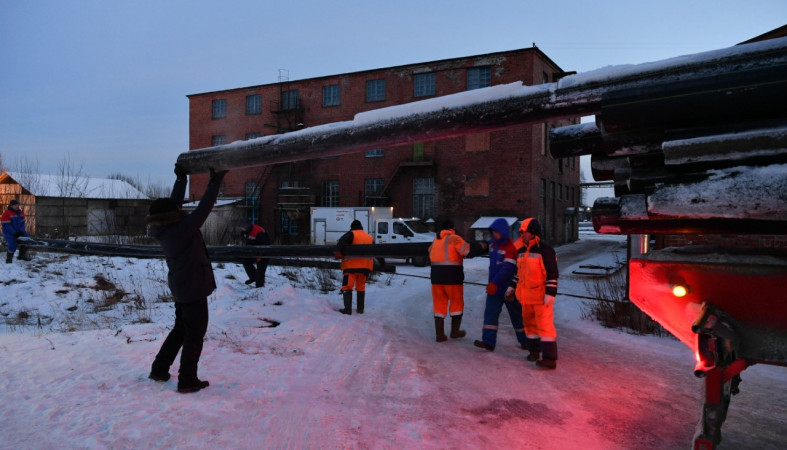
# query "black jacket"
(190, 274)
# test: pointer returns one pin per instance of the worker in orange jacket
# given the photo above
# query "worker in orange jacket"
(535, 285)
(446, 254)
(355, 269)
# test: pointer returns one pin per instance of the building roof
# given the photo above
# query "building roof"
(44, 185)
(484, 222)
(532, 49)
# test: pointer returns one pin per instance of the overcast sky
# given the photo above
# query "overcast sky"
(102, 85)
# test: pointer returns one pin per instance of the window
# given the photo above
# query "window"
(424, 84)
(543, 187)
(382, 227)
(330, 95)
(253, 135)
(330, 193)
(424, 197)
(544, 78)
(373, 190)
(219, 109)
(290, 99)
(218, 140)
(559, 191)
(253, 104)
(418, 151)
(478, 77)
(375, 153)
(375, 90)
(251, 201)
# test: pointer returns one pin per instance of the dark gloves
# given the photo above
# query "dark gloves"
(180, 172)
(217, 176)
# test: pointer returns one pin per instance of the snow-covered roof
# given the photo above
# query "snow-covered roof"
(44, 185)
(485, 221)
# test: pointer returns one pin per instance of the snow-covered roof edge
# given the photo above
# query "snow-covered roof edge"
(44, 185)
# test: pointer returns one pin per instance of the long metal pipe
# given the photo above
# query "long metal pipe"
(492, 108)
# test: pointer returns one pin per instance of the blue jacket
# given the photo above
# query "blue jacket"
(502, 257)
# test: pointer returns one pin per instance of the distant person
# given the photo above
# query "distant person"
(535, 285)
(190, 278)
(256, 267)
(446, 254)
(13, 220)
(355, 269)
(502, 268)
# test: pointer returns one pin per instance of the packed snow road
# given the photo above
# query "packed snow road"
(321, 379)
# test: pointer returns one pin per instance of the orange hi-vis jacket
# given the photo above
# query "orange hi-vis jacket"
(537, 273)
(446, 255)
(357, 263)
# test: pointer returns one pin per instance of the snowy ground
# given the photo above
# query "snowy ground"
(77, 376)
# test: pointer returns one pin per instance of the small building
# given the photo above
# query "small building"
(63, 206)
(480, 227)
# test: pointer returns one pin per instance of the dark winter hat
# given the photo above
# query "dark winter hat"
(447, 224)
(356, 225)
(13, 202)
(531, 226)
(162, 205)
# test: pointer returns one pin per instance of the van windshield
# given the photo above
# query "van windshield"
(417, 226)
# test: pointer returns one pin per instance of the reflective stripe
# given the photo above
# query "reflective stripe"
(490, 327)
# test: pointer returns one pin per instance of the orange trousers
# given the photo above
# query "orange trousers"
(356, 279)
(445, 295)
(539, 322)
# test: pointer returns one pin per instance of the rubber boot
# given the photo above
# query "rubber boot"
(439, 327)
(347, 296)
(549, 355)
(456, 322)
(534, 347)
(9, 257)
(361, 296)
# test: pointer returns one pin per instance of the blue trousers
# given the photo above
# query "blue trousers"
(494, 306)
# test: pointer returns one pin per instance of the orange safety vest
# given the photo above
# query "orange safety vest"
(356, 262)
(446, 255)
(532, 287)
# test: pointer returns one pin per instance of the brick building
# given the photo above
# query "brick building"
(505, 173)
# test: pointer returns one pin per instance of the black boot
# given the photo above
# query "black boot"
(456, 322)
(360, 297)
(9, 257)
(439, 328)
(534, 347)
(549, 355)
(347, 296)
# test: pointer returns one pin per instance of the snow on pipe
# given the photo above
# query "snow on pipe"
(503, 106)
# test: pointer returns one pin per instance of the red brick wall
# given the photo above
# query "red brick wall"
(503, 179)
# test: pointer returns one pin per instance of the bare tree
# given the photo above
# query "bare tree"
(71, 180)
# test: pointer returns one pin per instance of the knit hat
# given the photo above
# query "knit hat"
(531, 226)
(13, 202)
(447, 224)
(356, 225)
(162, 205)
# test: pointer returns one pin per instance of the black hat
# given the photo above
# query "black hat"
(356, 225)
(13, 202)
(162, 205)
(447, 224)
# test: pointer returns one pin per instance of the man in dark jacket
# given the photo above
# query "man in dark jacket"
(256, 235)
(190, 278)
(502, 268)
